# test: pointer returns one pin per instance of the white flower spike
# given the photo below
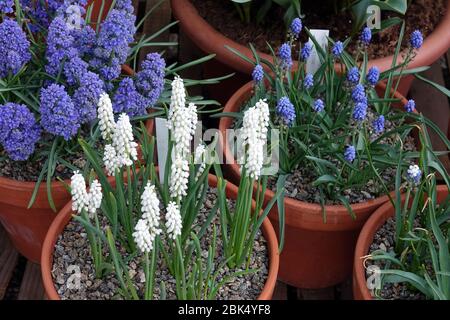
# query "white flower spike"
(110, 160)
(123, 142)
(254, 138)
(179, 177)
(80, 197)
(173, 220)
(178, 97)
(143, 237)
(95, 197)
(150, 206)
(106, 117)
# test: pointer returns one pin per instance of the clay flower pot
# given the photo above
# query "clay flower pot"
(210, 41)
(315, 254)
(365, 239)
(27, 228)
(65, 215)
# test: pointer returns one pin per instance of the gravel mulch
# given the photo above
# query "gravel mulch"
(384, 240)
(72, 248)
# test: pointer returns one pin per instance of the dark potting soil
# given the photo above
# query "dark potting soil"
(384, 240)
(72, 249)
(422, 14)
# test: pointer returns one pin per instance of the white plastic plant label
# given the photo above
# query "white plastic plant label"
(313, 63)
(162, 145)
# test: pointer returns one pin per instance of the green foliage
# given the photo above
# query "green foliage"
(421, 256)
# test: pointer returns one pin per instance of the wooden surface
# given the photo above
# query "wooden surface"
(11, 274)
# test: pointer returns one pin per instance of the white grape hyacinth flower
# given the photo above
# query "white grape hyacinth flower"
(200, 159)
(95, 197)
(80, 197)
(143, 237)
(254, 138)
(182, 126)
(150, 206)
(173, 220)
(105, 113)
(179, 178)
(110, 160)
(177, 98)
(123, 142)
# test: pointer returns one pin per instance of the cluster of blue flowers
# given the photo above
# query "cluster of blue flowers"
(114, 38)
(296, 27)
(258, 73)
(416, 39)
(366, 36)
(373, 75)
(338, 49)
(359, 94)
(134, 97)
(150, 79)
(318, 106)
(81, 62)
(6, 6)
(286, 111)
(87, 95)
(60, 46)
(360, 100)
(285, 55)
(353, 75)
(350, 153)
(378, 124)
(306, 50)
(410, 106)
(308, 82)
(19, 131)
(58, 113)
(14, 48)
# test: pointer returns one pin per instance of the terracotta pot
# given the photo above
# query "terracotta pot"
(27, 227)
(365, 239)
(65, 215)
(315, 254)
(210, 41)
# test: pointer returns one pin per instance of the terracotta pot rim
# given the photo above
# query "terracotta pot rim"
(365, 239)
(433, 46)
(65, 215)
(314, 209)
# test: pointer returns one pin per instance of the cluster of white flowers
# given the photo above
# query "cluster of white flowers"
(123, 141)
(182, 125)
(147, 227)
(178, 97)
(123, 150)
(95, 197)
(200, 158)
(173, 220)
(81, 199)
(110, 159)
(182, 122)
(179, 177)
(254, 138)
(142, 236)
(106, 117)
(150, 205)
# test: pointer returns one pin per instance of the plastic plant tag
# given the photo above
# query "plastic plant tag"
(162, 145)
(313, 63)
